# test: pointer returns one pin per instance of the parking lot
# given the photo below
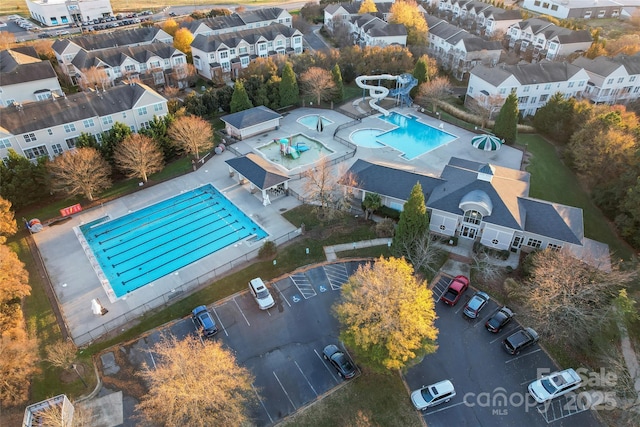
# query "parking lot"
(281, 346)
(491, 385)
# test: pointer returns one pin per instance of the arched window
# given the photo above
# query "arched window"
(472, 217)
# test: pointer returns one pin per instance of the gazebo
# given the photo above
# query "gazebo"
(261, 174)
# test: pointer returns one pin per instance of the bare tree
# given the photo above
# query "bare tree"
(52, 416)
(94, 78)
(82, 171)
(318, 82)
(485, 269)
(195, 384)
(61, 354)
(433, 90)
(329, 188)
(138, 156)
(191, 134)
(421, 253)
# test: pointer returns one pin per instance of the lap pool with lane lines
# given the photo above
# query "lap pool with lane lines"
(145, 245)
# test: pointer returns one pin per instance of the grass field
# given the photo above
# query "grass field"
(8, 7)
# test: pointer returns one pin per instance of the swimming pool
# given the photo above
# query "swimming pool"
(145, 245)
(411, 137)
(311, 121)
(316, 149)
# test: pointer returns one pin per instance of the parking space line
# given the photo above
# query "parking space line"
(241, 312)
(285, 391)
(262, 403)
(443, 409)
(502, 334)
(152, 359)
(483, 321)
(326, 367)
(305, 377)
(220, 321)
(304, 285)
(281, 294)
(337, 275)
(522, 355)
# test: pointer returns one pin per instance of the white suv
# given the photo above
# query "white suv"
(261, 294)
(554, 385)
(432, 395)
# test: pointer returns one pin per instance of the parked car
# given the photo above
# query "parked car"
(44, 35)
(475, 304)
(62, 32)
(432, 395)
(261, 294)
(340, 361)
(203, 321)
(522, 339)
(455, 290)
(499, 319)
(554, 385)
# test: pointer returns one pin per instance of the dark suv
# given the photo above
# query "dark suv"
(203, 321)
(522, 339)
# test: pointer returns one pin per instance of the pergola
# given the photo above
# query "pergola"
(260, 173)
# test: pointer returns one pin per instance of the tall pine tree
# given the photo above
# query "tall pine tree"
(413, 224)
(506, 126)
(289, 92)
(337, 79)
(240, 99)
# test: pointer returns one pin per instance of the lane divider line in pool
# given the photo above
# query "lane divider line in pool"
(155, 229)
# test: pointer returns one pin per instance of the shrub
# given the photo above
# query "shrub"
(385, 228)
(267, 250)
(387, 212)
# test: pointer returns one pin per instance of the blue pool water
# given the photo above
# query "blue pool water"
(311, 121)
(410, 137)
(145, 245)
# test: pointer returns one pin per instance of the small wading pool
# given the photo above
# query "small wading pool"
(311, 121)
(145, 245)
(308, 151)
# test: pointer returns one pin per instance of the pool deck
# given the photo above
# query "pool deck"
(75, 283)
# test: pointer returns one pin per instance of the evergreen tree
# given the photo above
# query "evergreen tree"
(289, 92)
(240, 99)
(556, 118)
(506, 126)
(23, 182)
(111, 139)
(224, 98)
(337, 78)
(158, 132)
(413, 223)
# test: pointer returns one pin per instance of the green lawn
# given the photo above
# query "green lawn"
(552, 180)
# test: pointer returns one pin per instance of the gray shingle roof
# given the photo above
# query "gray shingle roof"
(526, 74)
(55, 112)
(213, 42)
(553, 220)
(114, 57)
(236, 19)
(250, 117)
(601, 65)
(17, 67)
(258, 171)
(101, 41)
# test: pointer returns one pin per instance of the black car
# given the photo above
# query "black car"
(340, 361)
(203, 321)
(499, 320)
(522, 339)
(44, 35)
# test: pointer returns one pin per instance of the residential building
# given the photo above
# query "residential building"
(150, 63)
(67, 49)
(457, 50)
(485, 203)
(581, 9)
(368, 30)
(341, 13)
(64, 12)
(222, 56)
(534, 84)
(48, 128)
(547, 40)
(479, 17)
(611, 80)
(247, 20)
(24, 77)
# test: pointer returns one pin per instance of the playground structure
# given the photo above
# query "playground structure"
(404, 83)
(288, 149)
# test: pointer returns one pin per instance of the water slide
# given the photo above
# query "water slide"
(377, 93)
(407, 82)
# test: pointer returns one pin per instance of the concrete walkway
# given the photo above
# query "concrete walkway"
(330, 251)
(631, 360)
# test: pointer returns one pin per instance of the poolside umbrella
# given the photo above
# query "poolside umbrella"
(486, 142)
(319, 125)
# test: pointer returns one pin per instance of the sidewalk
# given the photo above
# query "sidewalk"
(330, 251)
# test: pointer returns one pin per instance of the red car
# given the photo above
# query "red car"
(455, 290)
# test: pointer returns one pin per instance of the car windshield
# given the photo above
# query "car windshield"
(206, 320)
(427, 395)
(262, 293)
(475, 302)
(345, 364)
(546, 383)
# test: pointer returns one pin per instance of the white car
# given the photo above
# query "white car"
(554, 385)
(261, 294)
(432, 395)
